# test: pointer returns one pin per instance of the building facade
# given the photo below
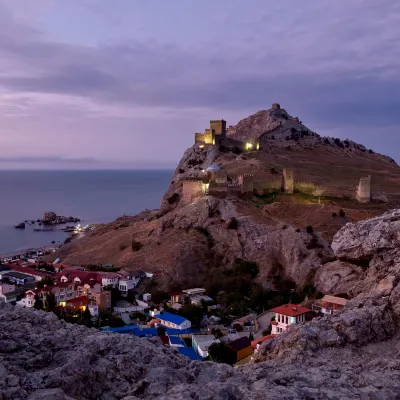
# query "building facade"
(287, 315)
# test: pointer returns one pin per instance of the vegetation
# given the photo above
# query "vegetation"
(233, 223)
(221, 353)
(38, 305)
(309, 229)
(50, 303)
(207, 234)
(342, 213)
(136, 246)
(174, 198)
(193, 313)
(46, 280)
(267, 331)
(334, 215)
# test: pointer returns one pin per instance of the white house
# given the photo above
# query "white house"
(173, 321)
(286, 315)
(201, 343)
(194, 292)
(146, 297)
(7, 293)
(110, 280)
(127, 284)
(94, 310)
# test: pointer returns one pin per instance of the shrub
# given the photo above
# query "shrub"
(267, 331)
(136, 246)
(342, 213)
(326, 141)
(173, 199)
(181, 170)
(309, 229)
(233, 223)
(241, 267)
(334, 215)
(370, 151)
(298, 230)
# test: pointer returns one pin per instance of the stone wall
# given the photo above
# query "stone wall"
(276, 105)
(263, 187)
(208, 137)
(218, 190)
(191, 190)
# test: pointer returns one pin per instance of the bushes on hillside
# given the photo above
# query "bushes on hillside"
(309, 229)
(233, 223)
(342, 213)
(136, 245)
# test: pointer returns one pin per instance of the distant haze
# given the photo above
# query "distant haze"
(97, 84)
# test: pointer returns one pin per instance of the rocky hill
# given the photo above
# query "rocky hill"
(286, 142)
(185, 244)
(352, 355)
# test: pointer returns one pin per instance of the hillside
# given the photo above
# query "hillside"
(353, 354)
(186, 244)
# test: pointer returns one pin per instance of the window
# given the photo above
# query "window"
(279, 317)
(287, 320)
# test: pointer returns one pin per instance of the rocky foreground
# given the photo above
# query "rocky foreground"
(353, 355)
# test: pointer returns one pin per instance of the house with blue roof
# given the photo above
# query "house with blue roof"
(176, 341)
(189, 353)
(173, 321)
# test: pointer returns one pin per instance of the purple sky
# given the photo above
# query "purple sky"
(100, 83)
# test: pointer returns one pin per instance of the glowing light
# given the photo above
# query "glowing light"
(249, 146)
(258, 146)
(202, 146)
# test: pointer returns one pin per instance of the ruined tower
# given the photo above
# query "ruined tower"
(276, 106)
(246, 183)
(287, 180)
(364, 190)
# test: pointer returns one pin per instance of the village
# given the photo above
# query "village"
(189, 320)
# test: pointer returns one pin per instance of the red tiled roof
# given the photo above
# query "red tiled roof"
(291, 310)
(255, 342)
(77, 300)
(28, 271)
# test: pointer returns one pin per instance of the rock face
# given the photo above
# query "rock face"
(43, 358)
(49, 216)
(185, 245)
(374, 245)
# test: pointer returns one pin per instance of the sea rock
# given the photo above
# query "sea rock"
(49, 216)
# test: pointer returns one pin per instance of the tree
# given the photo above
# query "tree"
(38, 305)
(309, 229)
(267, 331)
(50, 302)
(46, 280)
(86, 316)
(221, 353)
(251, 336)
(193, 313)
(342, 213)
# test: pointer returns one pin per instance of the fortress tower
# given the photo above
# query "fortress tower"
(276, 106)
(246, 183)
(364, 190)
(287, 180)
(219, 126)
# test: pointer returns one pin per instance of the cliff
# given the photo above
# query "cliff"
(189, 244)
(354, 354)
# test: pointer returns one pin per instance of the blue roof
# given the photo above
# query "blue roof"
(175, 319)
(213, 168)
(176, 340)
(189, 353)
(147, 332)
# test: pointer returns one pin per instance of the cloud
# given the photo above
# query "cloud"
(336, 67)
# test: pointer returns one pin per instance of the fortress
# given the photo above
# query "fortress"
(215, 181)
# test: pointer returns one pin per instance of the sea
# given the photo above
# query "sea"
(92, 196)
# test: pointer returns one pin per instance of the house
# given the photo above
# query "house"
(201, 343)
(286, 315)
(241, 348)
(110, 279)
(248, 323)
(198, 300)
(176, 341)
(255, 344)
(93, 309)
(329, 304)
(189, 353)
(7, 293)
(173, 321)
(127, 284)
(63, 292)
(194, 292)
(102, 300)
(31, 272)
(86, 288)
(176, 297)
(146, 297)
(78, 303)
(17, 277)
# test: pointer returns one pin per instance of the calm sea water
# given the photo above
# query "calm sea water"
(93, 196)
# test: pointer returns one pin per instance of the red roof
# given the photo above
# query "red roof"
(28, 271)
(78, 300)
(291, 310)
(255, 342)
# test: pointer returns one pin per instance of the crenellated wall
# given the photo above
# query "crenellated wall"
(219, 126)
(207, 137)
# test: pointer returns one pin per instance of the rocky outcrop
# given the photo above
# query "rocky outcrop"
(43, 358)
(185, 245)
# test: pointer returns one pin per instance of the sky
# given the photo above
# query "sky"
(126, 83)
